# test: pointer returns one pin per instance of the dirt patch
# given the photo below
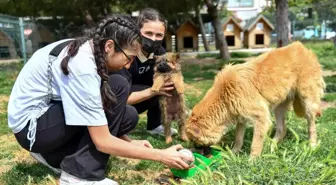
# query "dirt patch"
(325, 105)
(4, 98)
(328, 73)
(148, 175)
(3, 102)
(192, 88)
(14, 76)
(9, 144)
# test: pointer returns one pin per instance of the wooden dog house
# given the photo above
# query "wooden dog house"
(167, 42)
(257, 32)
(232, 30)
(40, 37)
(187, 37)
(7, 46)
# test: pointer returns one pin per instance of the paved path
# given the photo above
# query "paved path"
(10, 61)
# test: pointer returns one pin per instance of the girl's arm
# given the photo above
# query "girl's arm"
(140, 96)
(112, 145)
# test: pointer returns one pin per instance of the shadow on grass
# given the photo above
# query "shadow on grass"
(27, 173)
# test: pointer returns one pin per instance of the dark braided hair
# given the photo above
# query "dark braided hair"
(119, 28)
(150, 14)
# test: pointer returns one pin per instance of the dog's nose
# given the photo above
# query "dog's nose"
(163, 67)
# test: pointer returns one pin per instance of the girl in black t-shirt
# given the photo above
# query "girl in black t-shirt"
(153, 27)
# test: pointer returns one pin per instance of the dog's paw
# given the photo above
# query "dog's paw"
(314, 146)
(274, 145)
(252, 159)
(155, 89)
(169, 140)
(184, 138)
(180, 90)
(235, 150)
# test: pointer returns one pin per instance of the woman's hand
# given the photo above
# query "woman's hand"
(144, 143)
(172, 158)
(164, 90)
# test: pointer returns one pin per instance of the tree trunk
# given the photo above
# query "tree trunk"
(219, 34)
(200, 21)
(282, 22)
(89, 20)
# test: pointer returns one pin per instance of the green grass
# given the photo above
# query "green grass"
(8, 75)
(292, 162)
(330, 79)
(331, 83)
(330, 97)
(326, 53)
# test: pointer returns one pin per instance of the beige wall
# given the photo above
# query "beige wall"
(187, 30)
(267, 36)
(236, 33)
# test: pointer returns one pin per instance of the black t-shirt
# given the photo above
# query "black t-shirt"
(141, 73)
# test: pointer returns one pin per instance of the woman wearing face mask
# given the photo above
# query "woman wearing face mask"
(153, 27)
(56, 107)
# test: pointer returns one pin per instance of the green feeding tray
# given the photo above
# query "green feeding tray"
(201, 163)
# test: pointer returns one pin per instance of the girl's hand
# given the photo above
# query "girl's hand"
(165, 89)
(172, 158)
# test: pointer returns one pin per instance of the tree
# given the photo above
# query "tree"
(201, 25)
(282, 22)
(219, 34)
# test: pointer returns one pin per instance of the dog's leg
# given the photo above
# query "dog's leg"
(280, 116)
(310, 114)
(310, 102)
(262, 124)
(178, 82)
(240, 131)
(182, 119)
(167, 125)
(166, 120)
(158, 82)
(182, 131)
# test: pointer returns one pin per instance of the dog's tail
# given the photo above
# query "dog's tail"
(298, 104)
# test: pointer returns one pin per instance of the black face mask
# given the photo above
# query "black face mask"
(149, 45)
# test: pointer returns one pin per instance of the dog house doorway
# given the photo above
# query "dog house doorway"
(259, 39)
(188, 42)
(230, 40)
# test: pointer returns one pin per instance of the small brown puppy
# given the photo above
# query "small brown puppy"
(249, 92)
(168, 69)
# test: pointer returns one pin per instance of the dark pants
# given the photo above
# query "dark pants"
(71, 147)
(151, 105)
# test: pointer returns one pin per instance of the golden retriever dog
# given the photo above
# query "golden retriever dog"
(248, 92)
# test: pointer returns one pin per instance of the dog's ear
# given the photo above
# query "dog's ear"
(173, 57)
(177, 57)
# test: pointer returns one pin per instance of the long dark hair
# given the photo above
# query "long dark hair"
(121, 29)
(150, 14)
